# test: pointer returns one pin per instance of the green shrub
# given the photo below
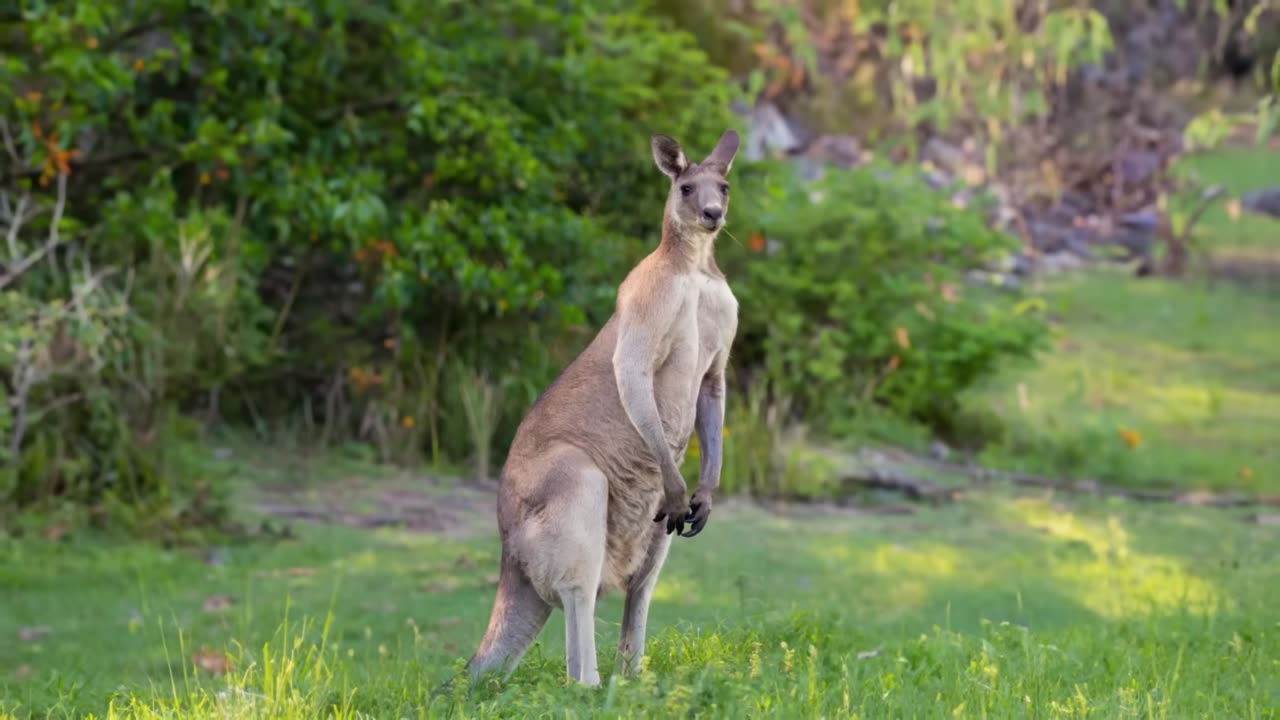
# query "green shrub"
(394, 222)
(860, 298)
(297, 215)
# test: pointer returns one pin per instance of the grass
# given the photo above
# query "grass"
(1192, 371)
(1007, 607)
(1187, 369)
(1240, 167)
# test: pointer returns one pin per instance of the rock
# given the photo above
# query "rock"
(1054, 238)
(1018, 264)
(936, 179)
(1077, 201)
(842, 151)
(1059, 262)
(1047, 237)
(1137, 241)
(1263, 202)
(955, 161)
(944, 155)
(1137, 167)
(1078, 244)
(770, 133)
(1140, 221)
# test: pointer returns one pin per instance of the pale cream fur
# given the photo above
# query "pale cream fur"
(596, 460)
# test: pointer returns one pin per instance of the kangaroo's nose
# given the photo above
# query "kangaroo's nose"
(712, 213)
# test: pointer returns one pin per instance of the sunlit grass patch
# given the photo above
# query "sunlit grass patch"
(1111, 577)
(1190, 369)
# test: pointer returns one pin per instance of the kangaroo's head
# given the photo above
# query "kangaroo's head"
(699, 197)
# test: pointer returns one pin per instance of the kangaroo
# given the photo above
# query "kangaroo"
(591, 492)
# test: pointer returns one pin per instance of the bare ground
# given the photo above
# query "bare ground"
(425, 504)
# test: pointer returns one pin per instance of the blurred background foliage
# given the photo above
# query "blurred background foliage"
(386, 226)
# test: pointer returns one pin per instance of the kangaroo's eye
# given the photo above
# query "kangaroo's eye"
(686, 190)
(724, 189)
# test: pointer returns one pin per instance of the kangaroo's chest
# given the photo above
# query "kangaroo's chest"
(704, 331)
(717, 321)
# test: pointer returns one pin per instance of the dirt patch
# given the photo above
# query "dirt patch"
(463, 509)
(1257, 270)
(420, 505)
(1245, 135)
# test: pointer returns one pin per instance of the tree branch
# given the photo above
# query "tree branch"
(9, 145)
(79, 165)
(15, 222)
(22, 383)
(1206, 200)
(54, 240)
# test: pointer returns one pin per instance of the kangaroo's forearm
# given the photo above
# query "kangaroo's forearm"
(635, 388)
(709, 425)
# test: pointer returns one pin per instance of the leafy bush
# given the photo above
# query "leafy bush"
(296, 215)
(860, 298)
(394, 222)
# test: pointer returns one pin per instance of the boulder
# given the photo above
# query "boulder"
(1263, 202)
(770, 134)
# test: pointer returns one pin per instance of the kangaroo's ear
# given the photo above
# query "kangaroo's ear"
(725, 151)
(668, 156)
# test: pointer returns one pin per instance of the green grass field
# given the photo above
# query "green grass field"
(1006, 607)
(1193, 370)
(1001, 605)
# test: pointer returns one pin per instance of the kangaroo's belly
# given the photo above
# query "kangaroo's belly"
(636, 491)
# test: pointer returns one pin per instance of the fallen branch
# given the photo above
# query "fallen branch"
(1088, 486)
(1095, 487)
(893, 481)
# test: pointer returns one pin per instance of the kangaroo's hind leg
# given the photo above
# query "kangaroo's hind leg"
(517, 617)
(564, 545)
(581, 547)
(635, 612)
